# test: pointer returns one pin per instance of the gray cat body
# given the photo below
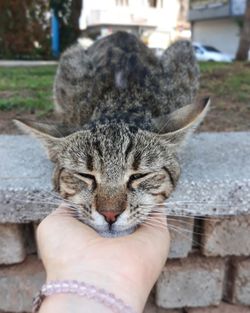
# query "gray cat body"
(124, 115)
(119, 78)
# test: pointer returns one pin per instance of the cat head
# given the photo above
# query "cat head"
(114, 174)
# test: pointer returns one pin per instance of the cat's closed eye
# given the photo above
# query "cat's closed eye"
(135, 180)
(87, 178)
(136, 176)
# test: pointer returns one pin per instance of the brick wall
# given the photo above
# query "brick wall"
(208, 269)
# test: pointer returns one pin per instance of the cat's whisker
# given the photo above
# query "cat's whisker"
(71, 207)
(186, 237)
(176, 210)
(172, 214)
(171, 226)
(152, 218)
(36, 202)
(180, 221)
(188, 216)
(155, 224)
(170, 217)
(72, 214)
(57, 197)
(180, 230)
(182, 202)
(195, 242)
(61, 200)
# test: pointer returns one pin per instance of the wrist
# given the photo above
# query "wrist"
(131, 292)
(71, 303)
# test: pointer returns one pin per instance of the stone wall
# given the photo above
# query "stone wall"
(208, 270)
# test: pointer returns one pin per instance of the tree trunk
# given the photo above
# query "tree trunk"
(244, 45)
(76, 7)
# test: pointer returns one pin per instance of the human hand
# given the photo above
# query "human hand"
(126, 266)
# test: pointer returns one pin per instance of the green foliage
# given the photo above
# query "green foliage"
(24, 29)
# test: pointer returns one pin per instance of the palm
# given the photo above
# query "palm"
(72, 250)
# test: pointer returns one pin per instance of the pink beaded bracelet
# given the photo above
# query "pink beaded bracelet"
(84, 290)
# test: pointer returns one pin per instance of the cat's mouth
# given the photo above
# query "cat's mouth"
(113, 230)
(111, 233)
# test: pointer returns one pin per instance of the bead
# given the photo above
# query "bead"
(57, 287)
(110, 299)
(102, 296)
(65, 287)
(92, 291)
(81, 289)
(120, 305)
(75, 284)
(49, 289)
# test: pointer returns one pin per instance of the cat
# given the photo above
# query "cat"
(125, 114)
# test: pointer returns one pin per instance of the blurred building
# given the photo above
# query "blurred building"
(217, 23)
(157, 22)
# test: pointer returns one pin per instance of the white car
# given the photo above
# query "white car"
(209, 53)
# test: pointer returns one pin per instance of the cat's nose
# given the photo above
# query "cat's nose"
(110, 216)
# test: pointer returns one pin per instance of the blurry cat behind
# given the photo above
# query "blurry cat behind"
(124, 116)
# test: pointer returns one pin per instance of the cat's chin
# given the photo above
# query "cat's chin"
(114, 233)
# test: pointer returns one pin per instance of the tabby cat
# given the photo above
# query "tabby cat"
(124, 116)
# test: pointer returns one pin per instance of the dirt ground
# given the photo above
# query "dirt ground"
(6, 120)
(233, 118)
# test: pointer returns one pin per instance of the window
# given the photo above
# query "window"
(211, 49)
(197, 50)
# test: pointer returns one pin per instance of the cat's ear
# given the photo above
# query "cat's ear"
(175, 127)
(44, 133)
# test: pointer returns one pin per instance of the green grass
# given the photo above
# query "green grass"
(30, 88)
(26, 88)
(229, 81)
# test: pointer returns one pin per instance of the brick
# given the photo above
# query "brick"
(222, 308)
(12, 248)
(151, 307)
(192, 282)
(181, 233)
(227, 236)
(19, 283)
(29, 239)
(241, 282)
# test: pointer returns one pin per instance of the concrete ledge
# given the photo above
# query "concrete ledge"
(24, 63)
(215, 178)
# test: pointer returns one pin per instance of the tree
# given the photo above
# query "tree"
(68, 12)
(244, 45)
(24, 29)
